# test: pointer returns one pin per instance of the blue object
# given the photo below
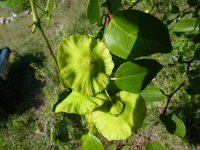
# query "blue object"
(4, 62)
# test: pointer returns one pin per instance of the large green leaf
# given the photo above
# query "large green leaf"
(154, 145)
(120, 126)
(135, 76)
(152, 94)
(90, 142)
(132, 34)
(85, 64)
(80, 104)
(93, 11)
(173, 124)
(187, 25)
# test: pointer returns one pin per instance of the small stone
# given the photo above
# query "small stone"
(1, 20)
(14, 15)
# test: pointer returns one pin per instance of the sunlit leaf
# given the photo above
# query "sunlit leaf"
(85, 64)
(187, 25)
(80, 104)
(126, 147)
(135, 76)
(93, 11)
(120, 126)
(132, 34)
(152, 94)
(154, 145)
(111, 147)
(90, 142)
(173, 124)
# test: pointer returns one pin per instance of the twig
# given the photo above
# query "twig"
(107, 16)
(134, 4)
(169, 96)
(108, 6)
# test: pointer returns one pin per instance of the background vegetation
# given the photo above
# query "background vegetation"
(27, 97)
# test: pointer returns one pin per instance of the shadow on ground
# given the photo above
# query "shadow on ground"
(21, 91)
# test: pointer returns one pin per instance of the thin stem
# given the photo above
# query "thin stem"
(107, 16)
(134, 4)
(36, 24)
(108, 96)
(169, 96)
(108, 6)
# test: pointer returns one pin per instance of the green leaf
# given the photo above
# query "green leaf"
(90, 142)
(115, 5)
(193, 87)
(173, 124)
(80, 104)
(120, 126)
(126, 147)
(173, 9)
(152, 94)
(135, 76)
(93, 11)
(85, 64)
(187, 25)
(132, 34)
(154, 145)
(197, 54)
(60, 134)
(111, 147)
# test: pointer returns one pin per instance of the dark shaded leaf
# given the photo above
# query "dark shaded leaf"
(115, 5)
(197, 54)
(93, 11)
(60, 133)
(173, 124)
(194, 87)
